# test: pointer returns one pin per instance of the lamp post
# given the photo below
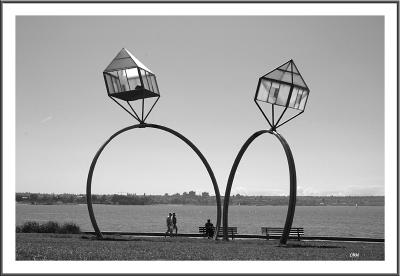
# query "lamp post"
(129, 82)
(280, 90)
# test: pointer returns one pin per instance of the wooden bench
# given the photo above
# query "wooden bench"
(231, 231)
(295, 232)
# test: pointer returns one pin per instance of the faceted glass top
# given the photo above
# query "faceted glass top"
(287, 74)
(125, 60)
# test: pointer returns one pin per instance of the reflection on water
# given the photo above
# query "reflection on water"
(364, 221)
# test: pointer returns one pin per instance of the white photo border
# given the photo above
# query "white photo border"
(388, 10)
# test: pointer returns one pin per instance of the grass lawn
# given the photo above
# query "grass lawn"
(32, 246)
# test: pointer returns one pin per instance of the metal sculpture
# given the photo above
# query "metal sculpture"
(127, 80)
(282, 88)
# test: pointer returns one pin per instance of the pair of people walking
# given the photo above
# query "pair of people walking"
(171, 225)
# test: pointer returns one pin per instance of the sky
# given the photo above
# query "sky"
(207, 71)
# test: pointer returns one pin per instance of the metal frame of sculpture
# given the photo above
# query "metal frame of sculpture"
(283, 87)
(127, 79)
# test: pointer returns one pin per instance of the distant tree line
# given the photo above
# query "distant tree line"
(309, 200)
(192, 198)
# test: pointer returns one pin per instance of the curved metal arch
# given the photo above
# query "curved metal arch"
(293, 183)
(173, 132)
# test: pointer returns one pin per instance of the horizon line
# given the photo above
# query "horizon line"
(197, 194)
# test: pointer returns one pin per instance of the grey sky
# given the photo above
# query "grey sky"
(207, 70)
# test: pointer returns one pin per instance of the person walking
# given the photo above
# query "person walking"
(174, 224)
(169, 225)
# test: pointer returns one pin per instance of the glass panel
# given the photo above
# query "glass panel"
(285, 67)
(289, 68)
(293, 97)
(283, 95)
(267, 84)
(115, 82)
(110, 87)
(303, 100)
(262, 93)
(273, 92)
(275, 75)
(154, 84)
(295, 68)
(133, 78)
(287, 77)
(122, 54)
(123, 63)
(298, 81)
(123, 81)
(113, 73)
(144, 79)
(298, 98)
(148, 77)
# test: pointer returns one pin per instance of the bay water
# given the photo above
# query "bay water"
(343, 221)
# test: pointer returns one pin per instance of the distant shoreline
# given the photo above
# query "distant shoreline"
(191, 198)
(242, 205)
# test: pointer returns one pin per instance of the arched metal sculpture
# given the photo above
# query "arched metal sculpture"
(173, 132)
(127, 79)
(284, 87)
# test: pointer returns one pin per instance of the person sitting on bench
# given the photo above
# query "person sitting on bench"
(209, 229)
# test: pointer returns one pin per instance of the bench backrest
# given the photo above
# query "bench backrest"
(220, 230)
(278, 230)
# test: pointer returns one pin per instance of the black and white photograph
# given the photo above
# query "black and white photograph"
(200, 137)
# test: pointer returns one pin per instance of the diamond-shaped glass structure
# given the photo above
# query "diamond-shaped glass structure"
(282, 88)
(128, 80)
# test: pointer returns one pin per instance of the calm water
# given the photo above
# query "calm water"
(364, 221)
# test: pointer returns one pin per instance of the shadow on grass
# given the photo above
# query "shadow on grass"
(184, 240)
(94, 238)
(309, 246)
(120, 238)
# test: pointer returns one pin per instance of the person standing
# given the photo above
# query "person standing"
(174, 224)
(169, 225)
